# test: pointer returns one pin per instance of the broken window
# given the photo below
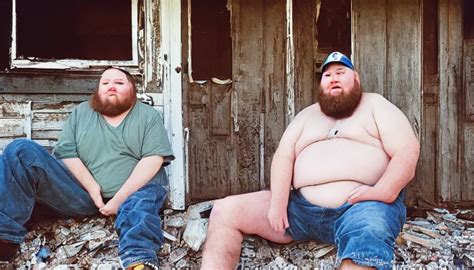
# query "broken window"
(73, 33)
(334, 26)
(211, 43)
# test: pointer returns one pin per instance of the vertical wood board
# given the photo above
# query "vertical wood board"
(467, 190)
(450, 26)
(247, 39)
(273, 98)
(468, 58)
(403, 71)
(305, 15)
(369, 38)
(424, 187)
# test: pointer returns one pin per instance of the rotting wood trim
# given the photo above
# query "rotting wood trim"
(15, 121)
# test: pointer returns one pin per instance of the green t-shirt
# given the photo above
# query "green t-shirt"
(111, 153)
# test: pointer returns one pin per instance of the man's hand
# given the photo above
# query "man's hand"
(111, 207)
(96, 196)
(278, 218)
(370, 193)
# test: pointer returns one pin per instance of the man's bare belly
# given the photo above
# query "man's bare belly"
(327, 171)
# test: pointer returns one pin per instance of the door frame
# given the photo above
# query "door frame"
(170, 63)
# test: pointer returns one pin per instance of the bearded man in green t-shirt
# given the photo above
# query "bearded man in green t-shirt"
(109, 159)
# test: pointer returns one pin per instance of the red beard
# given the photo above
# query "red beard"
(112, 108)
(340, 106)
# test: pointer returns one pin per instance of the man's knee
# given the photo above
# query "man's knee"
(220, 209)
(19, 146)
(224, 211)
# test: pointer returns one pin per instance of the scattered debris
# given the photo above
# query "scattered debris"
(439, 240)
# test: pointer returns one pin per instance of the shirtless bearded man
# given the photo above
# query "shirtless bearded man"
(348, 159)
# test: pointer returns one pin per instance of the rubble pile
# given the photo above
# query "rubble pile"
(438, 240)
(441, 240)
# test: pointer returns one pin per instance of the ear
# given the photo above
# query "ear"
(356, 77)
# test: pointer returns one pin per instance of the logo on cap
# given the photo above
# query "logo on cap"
(337, 57)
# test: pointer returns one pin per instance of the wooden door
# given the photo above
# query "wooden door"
(234, 93)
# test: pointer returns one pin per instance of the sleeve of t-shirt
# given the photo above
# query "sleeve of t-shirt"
(156, 140)
(66, 146)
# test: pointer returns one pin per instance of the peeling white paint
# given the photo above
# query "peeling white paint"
(235, 110)
(290, 63)
(149, 48)
(190, 63)
(172, 93)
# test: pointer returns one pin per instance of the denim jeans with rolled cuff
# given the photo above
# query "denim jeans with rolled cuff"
(29, 175)
(364, 232)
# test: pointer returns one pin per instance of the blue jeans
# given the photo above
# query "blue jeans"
(28, 174)
(364, 232)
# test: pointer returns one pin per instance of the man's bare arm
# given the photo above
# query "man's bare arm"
(143, 172)
(82, 174)
(400, 143)
(282, 172)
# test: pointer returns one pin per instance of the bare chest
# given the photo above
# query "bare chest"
(359, 127)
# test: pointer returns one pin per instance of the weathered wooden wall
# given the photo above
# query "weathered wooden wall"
(387, 38)
(456, 118)
(306, 57)
(37, 117)
(413, 55)
(467, 181)
(411, 51)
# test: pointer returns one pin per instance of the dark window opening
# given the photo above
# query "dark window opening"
(334, 27)
(211, 43)
(430, 39)
(5, 33)
(74, 29)
(468, 7)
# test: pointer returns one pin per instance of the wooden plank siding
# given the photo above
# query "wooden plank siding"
(414, 53)
(41, 121)
(306, 44)
(15, 122)
(387, 55)
(424, 189)
(369, 38)
(467, 180)
(403, 65)
(247, 38)
(450, 137)
(274, 99)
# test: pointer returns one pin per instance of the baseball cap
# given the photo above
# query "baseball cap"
(337, 57)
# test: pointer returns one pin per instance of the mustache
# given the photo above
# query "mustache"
(341, 106)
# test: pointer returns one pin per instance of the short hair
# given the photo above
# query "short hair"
(130, 77)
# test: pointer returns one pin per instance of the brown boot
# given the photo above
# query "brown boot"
(8, 250)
